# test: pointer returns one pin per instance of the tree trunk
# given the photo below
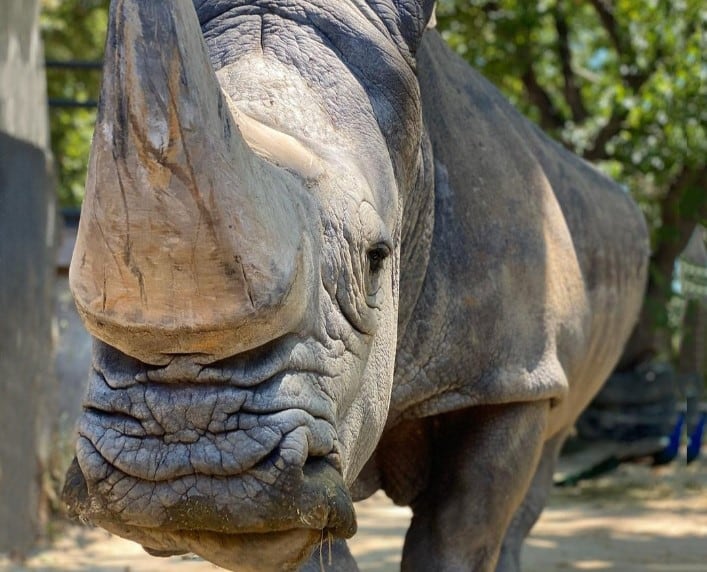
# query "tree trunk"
(651, 336)
(26, 269)
(692, 358)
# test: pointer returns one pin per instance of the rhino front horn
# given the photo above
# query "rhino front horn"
(189, 243)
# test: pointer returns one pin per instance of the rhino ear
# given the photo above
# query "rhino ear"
(414, 16)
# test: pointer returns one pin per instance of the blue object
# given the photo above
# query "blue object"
(694, 440)
(671, 449)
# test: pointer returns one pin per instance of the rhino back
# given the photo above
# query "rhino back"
(536, 266)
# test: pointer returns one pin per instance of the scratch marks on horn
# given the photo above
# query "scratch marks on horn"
(194, 256)
(128, 242)
(104, 292)
(248, 287)
(97, 222)
(189, 178)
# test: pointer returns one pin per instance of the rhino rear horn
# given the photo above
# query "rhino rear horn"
(186, 236)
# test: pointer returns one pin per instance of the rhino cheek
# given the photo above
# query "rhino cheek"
(360, 432)
(363, 422)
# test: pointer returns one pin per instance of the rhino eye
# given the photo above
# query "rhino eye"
(376, 257)
(376, 261)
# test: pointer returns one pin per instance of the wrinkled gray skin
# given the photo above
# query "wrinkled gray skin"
(469, 286)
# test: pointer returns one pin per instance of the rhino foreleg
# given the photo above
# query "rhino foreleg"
(483, 462)
(529, 511)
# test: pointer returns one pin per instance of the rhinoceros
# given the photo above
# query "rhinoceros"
(320, 256)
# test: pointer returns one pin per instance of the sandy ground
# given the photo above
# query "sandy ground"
(637, 519)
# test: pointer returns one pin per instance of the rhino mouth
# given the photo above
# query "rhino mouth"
(315, 507)
(178, 460)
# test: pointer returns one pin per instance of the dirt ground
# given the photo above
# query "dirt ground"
(637, 519)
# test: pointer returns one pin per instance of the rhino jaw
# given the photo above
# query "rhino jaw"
(320, 487)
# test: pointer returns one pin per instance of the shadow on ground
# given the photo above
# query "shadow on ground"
(637, 519)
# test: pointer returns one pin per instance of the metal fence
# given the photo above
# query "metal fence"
(56, 103)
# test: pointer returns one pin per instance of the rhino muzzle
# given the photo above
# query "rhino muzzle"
(231, 457)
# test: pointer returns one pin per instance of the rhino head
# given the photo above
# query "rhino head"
(238, 265)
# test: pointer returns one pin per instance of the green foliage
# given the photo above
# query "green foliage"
(633, 75)
(622, 83)
(73, 30)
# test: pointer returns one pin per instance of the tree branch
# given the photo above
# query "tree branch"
(622, 44)
(490, 7)
(598, 151)
(571, 91)
(609, 22)
(687, 178)
(550, 117)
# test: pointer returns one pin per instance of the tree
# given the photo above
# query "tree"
(73, 30)
(622, 83)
